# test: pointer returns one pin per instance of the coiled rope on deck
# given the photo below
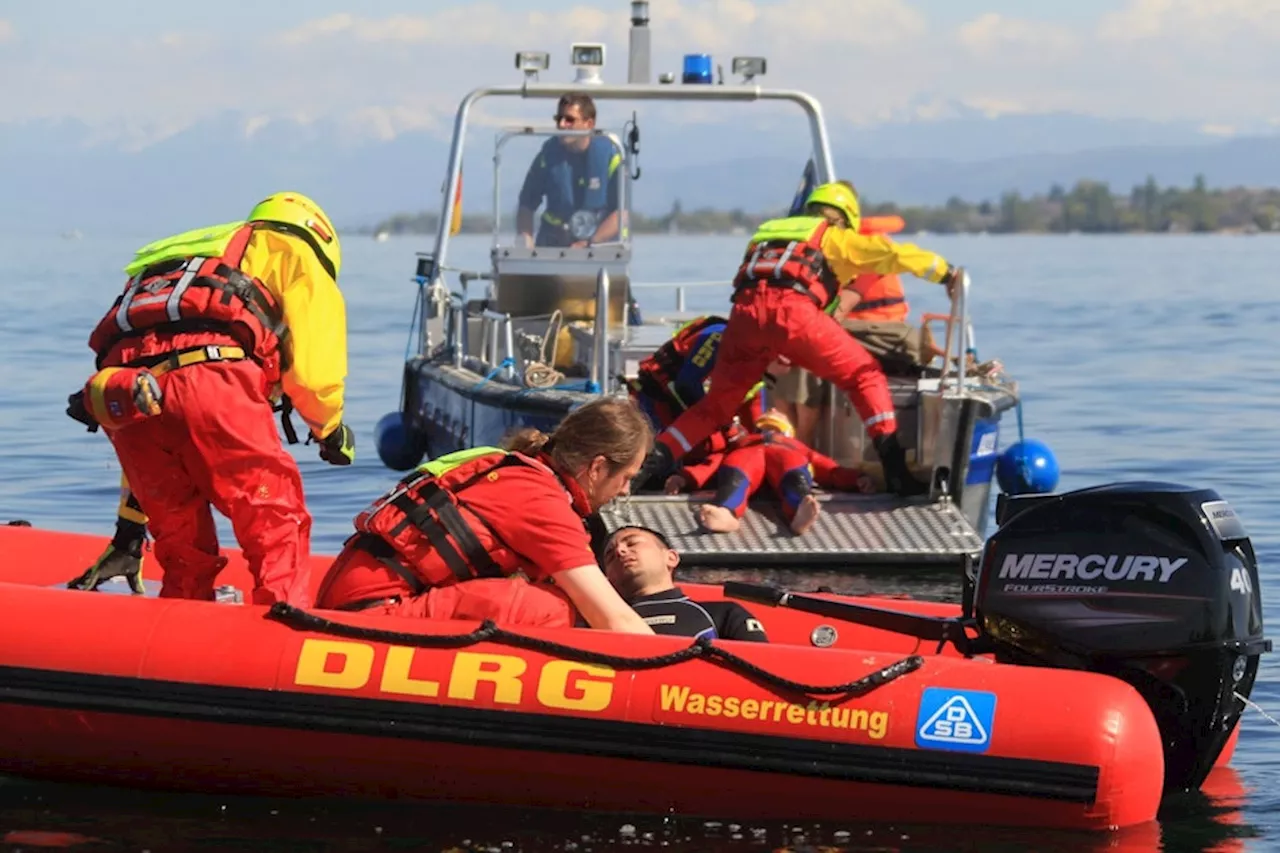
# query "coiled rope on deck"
(489, 632)
(542, 373)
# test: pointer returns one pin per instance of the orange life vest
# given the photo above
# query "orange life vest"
(881, 298)
(791, 263)
(425, 531)
(199, 294)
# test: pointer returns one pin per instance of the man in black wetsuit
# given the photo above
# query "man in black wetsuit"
(640, 564)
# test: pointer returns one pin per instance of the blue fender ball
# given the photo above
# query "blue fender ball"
(397, 447)
(1027, 467)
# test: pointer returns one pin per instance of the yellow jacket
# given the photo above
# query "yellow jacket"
(850, 254)
(316, 315)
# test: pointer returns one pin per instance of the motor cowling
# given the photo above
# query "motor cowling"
(1152, 583)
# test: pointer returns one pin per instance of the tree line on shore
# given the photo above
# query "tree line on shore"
(1089, 207)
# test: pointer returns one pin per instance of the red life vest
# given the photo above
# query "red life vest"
(795, 264)
(199, 294)
(658, 371)
(425, 531)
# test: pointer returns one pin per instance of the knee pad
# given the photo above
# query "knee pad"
(795, 484)
(731, 488)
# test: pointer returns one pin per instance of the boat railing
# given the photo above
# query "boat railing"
(456, 327)
(497, 338)
(497, 349)
(496, 341)
(679, 287)
(600, 335)
(958, 328)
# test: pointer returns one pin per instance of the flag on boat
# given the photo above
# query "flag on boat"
(455, 223)
(808, 181)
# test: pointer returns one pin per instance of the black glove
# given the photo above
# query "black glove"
(122, 558)
(339, 447)
(76, 409)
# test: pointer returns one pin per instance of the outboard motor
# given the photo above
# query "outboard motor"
(1152, 583)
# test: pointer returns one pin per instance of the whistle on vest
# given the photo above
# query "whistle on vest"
(116, 397)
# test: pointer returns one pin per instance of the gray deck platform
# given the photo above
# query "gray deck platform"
(852, 530)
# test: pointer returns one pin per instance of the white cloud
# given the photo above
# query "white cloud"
(993, 36)
(253, 124)
(1217, 130)
(867, 60)
(994, 107)
(457, 25)
(1195, 21)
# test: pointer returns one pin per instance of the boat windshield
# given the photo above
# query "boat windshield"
(559, 189)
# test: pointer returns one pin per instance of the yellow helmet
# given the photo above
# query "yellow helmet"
(841, 196)
(294, 213)
(777, 421)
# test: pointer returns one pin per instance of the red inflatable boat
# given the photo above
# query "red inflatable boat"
(859, 709)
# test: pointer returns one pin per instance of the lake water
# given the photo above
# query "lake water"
(1138, 357)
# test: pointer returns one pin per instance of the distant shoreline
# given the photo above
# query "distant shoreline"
(1089, 207)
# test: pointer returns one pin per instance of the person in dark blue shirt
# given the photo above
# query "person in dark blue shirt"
(640, 563)
(578, 177)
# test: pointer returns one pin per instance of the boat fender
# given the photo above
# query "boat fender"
(398, 447)
(1027, 467)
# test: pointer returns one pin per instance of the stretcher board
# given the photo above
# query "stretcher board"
(856, 531)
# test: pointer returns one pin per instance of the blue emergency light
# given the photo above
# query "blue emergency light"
(697, 68)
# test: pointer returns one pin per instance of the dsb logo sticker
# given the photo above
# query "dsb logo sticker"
(955, 720)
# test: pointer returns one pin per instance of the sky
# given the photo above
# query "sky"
(137, 71)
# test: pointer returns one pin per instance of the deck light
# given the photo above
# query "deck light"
(533, 61)
(588, 59)
(748, 66)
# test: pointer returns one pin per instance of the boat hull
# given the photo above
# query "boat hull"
(449, 408)
(239, 699)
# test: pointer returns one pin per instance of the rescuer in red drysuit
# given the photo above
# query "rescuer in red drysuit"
(770, 455)
(483, 533)
(220, 321)
(788, 282)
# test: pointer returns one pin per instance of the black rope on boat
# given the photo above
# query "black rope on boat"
(489, 632)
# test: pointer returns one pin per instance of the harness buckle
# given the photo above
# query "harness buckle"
(213, 352)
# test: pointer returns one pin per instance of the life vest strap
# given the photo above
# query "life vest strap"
(439, 519)
(375, 547)
(285, 408)
(872, 304)
(234, 283)
(161, 364)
